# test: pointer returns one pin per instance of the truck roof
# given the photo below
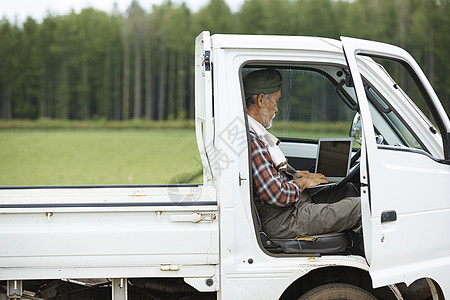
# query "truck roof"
(276, 42)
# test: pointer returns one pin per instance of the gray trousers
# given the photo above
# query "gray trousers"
(328, 210)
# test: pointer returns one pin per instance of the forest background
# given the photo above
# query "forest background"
(95, 65)
(107, 98)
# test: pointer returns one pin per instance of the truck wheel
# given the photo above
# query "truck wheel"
(337, 291)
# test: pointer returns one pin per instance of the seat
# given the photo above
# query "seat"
(322, 244)
(317, 245)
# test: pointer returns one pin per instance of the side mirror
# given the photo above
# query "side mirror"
(355, 129)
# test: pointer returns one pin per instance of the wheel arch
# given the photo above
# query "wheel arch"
(332, 274)
(360, 278)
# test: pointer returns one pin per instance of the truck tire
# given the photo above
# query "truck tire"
(337, 291)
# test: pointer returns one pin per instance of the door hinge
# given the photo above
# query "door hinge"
(207, 60)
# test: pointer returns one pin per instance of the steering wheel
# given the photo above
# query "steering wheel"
(353, 163)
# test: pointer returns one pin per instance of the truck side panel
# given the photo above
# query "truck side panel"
(142, 231)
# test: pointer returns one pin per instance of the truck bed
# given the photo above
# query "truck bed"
(107, 231)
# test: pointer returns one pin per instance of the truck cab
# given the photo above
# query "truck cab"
(401, 161)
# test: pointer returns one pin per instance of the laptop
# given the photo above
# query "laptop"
(333, 158)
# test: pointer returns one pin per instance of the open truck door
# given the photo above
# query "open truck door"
(404, 184)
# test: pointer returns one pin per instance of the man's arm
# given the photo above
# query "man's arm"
(272, 187)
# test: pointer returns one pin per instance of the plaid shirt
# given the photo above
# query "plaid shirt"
(269, 185)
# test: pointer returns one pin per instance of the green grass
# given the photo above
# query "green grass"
(60, 152)
(45, 123)
(96, 156)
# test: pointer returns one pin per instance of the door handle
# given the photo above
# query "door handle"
(388, 216)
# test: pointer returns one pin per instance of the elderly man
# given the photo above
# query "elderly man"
(284, 204)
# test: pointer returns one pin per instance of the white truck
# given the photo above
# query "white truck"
(205, 241)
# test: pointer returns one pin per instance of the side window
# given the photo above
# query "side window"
(310, 107)
(390, 129)
(396, 128)
(403, 81)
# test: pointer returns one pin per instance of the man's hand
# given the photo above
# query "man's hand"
(310, 180)
(301, 174)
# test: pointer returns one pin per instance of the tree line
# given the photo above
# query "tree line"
(139, 64)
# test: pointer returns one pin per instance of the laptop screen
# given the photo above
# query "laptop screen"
(333, 157)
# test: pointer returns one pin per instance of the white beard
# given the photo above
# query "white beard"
(267, 126)
(265, 122)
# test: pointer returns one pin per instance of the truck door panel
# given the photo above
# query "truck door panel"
(407, 184)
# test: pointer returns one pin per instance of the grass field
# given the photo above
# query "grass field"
(59, 152)
(95, 156)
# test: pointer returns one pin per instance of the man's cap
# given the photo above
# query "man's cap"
(265, 81)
